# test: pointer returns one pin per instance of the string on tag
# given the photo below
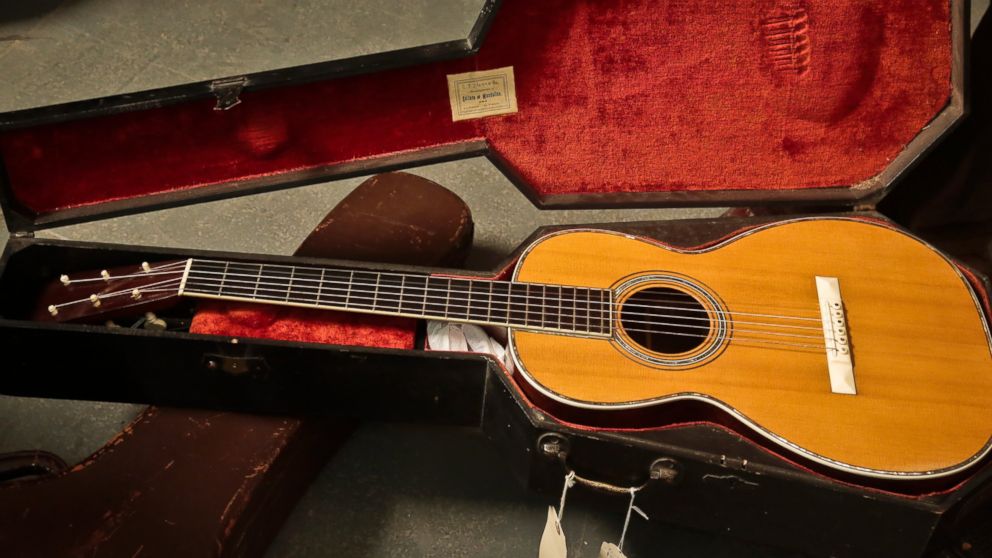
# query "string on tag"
(626, 522)
(569, 483)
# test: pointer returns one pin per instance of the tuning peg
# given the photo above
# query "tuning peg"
(95, 300)
(65, 280)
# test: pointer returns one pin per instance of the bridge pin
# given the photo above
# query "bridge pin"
(105, 274)
(65, 280)
(53, 310)
(145, 267)
(136, 294)
(95, 300)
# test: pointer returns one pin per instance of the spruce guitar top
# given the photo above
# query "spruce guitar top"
(847, 342)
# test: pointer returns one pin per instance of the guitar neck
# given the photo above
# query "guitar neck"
(530, 306)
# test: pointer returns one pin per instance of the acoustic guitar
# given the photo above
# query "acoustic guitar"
(847, 342)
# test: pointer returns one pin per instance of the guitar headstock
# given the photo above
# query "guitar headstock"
(110, 293)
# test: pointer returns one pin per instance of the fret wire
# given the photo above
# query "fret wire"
(527, 303)
(609, 317)
(223, 278)
(544, 295)
(447, 298)
(602, 314)
(257, 280)
(489, 309)
(320, 286)
(427, 285)
(375, 295)
(468, 300)
(289, 288)
(347, 296)
(399, 305)
(588, 309)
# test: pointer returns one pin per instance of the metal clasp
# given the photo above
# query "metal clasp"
(228, 91)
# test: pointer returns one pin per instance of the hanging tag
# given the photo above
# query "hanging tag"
(610, 550)
(553, 539)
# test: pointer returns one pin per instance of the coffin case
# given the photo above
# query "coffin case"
(621, 105)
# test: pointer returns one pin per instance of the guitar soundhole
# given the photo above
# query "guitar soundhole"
(664, 320)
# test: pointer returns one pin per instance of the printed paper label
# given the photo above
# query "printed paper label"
(479, 94)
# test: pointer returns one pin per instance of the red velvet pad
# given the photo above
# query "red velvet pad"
(303, 325)
(631, 96)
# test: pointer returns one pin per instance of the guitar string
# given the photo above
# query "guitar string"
(114, 294)
(294, 269)
(369, 304)
(576, 301)
(197, 274)
(165, 286)
(178, 266)
(181, 264)
(468, 305)
(729, 338)
(576, 317)
(122, 277)
(214, 283)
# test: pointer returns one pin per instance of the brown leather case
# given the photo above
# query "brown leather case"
(188, 483)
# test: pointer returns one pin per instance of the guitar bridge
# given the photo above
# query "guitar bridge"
(835, 336)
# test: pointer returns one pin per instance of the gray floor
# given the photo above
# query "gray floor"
(406, 490)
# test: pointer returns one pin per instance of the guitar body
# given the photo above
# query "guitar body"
(918, 341)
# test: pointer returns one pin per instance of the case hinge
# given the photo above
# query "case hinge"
(228, 91)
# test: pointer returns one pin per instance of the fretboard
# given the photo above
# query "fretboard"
(557, 308)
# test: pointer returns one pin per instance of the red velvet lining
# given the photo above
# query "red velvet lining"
(303, 325)
(613, 96)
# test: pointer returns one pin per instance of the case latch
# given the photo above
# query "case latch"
(234, 366)
(228, 91)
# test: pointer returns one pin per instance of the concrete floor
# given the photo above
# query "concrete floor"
(405, 490)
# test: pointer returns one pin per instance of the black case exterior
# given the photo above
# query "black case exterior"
(699, 475)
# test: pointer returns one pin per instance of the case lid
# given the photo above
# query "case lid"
(581, 103)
